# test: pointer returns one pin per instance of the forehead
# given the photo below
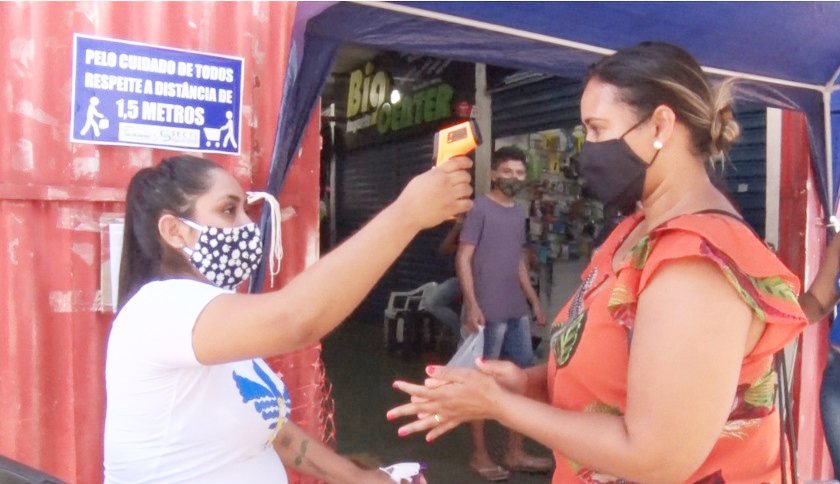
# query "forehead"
(601, 100)
(511, 164)
(223, 183)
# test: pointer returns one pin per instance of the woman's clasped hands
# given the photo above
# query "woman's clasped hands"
(452, 396)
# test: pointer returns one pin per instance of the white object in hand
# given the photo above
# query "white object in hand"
(472, 347)
(402, 470)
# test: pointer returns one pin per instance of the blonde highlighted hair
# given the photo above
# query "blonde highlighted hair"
(652, 74)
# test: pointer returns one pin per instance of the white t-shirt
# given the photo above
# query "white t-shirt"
(171, 419)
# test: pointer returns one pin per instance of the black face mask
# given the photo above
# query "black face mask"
(613, 172)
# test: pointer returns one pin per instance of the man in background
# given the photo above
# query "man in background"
(498, 295)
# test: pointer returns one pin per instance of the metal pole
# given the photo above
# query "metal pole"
(829, 158)
(483, 104)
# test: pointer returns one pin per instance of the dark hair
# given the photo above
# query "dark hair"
(170, 187)
(507, 153)
(651, 74)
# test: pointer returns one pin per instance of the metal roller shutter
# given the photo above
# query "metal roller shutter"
(368, 180)
(535, 106)
(745, 172)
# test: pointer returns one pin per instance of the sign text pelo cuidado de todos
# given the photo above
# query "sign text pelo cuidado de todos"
(136, 94)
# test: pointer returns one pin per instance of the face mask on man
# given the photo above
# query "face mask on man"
(510, 186)
(613, 172)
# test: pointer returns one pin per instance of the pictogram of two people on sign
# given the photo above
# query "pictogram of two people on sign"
(97, 121)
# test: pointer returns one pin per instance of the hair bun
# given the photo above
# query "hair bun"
(724, 129)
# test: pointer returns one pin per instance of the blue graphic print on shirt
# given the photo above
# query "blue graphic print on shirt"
(272, 403)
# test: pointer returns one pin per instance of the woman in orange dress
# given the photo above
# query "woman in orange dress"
(661, 363)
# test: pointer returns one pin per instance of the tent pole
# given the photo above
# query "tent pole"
(754, 77)
(830, 87)
(829, 169)
(484, 151)
(773, 155)
(833, 80)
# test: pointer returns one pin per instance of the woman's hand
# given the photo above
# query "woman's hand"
(507, 374)
(452, 396)
(438, 194)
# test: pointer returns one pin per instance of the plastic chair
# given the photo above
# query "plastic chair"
(406, 322)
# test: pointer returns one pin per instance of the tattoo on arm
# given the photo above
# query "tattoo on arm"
(302, 454)
(286, 441)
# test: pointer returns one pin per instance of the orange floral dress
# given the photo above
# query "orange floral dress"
(590, 340)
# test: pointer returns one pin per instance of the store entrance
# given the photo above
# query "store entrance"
(371, 151)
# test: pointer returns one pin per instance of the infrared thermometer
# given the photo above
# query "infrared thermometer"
(456, 141)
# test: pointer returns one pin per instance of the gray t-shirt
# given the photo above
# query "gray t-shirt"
(498, 233)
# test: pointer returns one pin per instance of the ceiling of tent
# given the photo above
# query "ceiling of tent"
(790, 50)
(794, 42)
(797, 41)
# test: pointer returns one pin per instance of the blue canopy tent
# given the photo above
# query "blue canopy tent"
(787, 53)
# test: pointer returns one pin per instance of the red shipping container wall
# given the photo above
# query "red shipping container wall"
(53, 194)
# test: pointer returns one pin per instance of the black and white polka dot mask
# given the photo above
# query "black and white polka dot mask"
(226, 256)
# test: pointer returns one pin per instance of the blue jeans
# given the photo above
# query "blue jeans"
(510, 340)
(830, 406)
(440, 302)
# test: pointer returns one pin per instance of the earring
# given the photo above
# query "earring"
(657, 144)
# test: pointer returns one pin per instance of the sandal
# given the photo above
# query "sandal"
(491, 473)
(530, 463)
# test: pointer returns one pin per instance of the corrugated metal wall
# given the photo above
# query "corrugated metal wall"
(745, 173)
(368, 180)
(52, 194)
(536, 105)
